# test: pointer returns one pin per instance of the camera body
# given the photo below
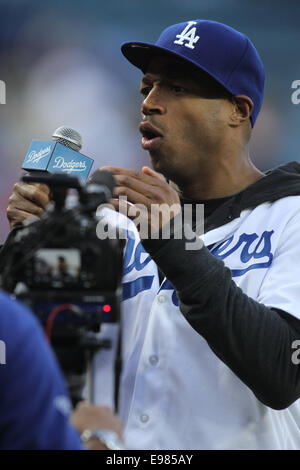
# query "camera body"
(69, 278)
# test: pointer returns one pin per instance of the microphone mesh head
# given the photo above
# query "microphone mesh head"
(68, 137)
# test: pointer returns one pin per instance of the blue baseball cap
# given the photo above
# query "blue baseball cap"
(224, 53)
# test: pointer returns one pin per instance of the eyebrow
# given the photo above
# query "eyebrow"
(146, 79)
(167, 75)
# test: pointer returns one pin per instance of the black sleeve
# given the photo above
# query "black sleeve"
(253, 340)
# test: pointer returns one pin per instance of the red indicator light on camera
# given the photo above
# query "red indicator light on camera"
(106, 308)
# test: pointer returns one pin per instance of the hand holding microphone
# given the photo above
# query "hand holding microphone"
(27, 200)
(61, 155)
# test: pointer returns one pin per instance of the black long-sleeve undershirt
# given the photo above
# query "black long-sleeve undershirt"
(254, 341)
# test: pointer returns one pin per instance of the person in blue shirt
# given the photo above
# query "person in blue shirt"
(34, 404)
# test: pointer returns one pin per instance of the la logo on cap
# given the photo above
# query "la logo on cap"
(188, 35)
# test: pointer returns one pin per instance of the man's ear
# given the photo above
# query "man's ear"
(242, 110)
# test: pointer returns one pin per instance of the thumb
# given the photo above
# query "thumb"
(148, 171)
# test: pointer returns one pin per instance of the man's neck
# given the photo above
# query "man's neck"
(224, 179)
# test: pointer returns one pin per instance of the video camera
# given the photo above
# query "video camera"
(68, 277)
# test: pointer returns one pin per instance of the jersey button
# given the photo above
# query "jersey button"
(153, 360)
(144, 418)
(161, 299)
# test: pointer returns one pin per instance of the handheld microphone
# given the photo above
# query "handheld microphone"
(61, 155)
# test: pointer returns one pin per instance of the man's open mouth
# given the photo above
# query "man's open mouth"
(151, 137)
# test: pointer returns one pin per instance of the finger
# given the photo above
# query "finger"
(124, 205)
(115, 170)
(17, 217)
(82, 404)
(132, 196)
(146, 170)
(32, 193)
(18, 202)
(42, 187)
(95, 444)
(148, 190)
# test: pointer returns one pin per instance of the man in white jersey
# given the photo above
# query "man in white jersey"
(210, 334)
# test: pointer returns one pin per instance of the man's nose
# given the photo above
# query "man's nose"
(153, 103)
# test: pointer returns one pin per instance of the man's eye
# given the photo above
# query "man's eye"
(177, 89)
(145, 91)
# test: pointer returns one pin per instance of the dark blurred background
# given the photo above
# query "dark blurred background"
(62, 65)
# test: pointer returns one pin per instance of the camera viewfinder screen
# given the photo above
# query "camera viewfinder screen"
(57, 265)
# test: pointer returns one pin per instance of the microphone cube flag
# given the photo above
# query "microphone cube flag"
(54, 157)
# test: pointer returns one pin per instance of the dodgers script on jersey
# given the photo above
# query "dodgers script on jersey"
(175, 392)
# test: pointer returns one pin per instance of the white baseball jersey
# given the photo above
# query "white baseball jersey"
(175, 392)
